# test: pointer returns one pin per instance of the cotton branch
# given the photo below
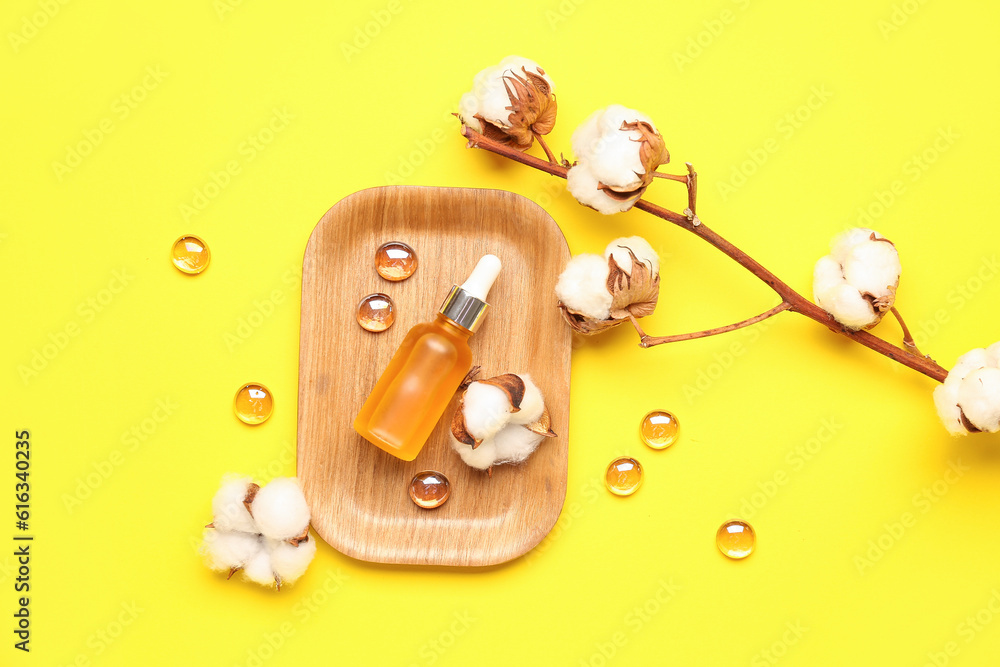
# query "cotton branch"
(791, 300)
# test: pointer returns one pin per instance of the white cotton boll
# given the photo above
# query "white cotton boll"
(946, 402)
(228, 510)
(970, 361)
(857, 266)
(612, 154)
(290, 562)
(480, 458)
(225, 550)
(583, 185)
(583, 286)
(844, 242)
(640, 248)
(486, 410)
(972, 388)
(515, 443)
(826, 276)
(280, 509)
(840, 299)
(489, 97)
(993, 355)
(850, 308)
(258, 566)
(873, 267)
(979, 398)
(532, 403)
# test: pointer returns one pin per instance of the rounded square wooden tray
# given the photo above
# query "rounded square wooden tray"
(358, 493)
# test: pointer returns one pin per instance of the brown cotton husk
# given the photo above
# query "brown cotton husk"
(532, 110)
(298, 539)
(634, 294)
(252, 490)
(652, 153)
(543, 425)
(510, 384)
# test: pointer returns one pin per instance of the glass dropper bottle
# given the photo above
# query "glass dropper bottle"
(424, 373)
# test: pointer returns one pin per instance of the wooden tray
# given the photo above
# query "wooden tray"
(358, 493)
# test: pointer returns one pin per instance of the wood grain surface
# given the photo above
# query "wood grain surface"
(358, 494)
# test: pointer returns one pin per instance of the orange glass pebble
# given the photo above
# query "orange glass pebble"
(253, 404)
(735, 539)
(430, 489)
(376, 312)
(395, 261)
(190, 254)
(624, 476)
(659, 429)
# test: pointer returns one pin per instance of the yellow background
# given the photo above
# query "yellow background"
(116, 579)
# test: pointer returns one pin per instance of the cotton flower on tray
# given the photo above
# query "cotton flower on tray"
(500, 420)
(599, 292)
(856, 283)
(969, 399)
(263, 531)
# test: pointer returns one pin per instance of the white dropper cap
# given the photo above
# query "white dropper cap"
(481, 279)
(466, 305)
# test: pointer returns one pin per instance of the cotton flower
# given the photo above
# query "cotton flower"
(617, 150)
(856, 283)
(968, 401)
(263, 531)
(280, 509)
(596, 293)
(500, 420)
(510, 102)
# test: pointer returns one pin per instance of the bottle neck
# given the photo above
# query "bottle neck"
(451, 326)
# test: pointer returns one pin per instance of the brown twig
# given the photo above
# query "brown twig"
(645, 340)
(545, 147)
(797, 302)
(908, 342)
